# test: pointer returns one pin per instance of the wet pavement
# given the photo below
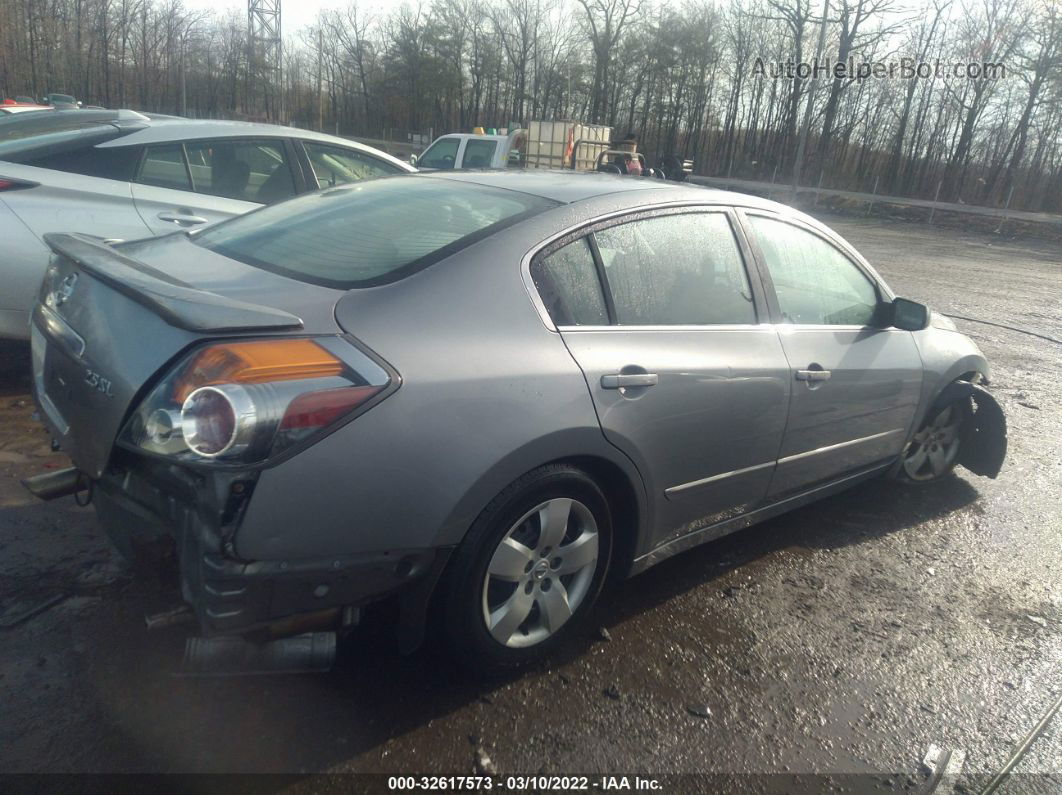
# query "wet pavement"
(843, 638)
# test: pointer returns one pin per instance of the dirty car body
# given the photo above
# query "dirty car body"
(314, 403)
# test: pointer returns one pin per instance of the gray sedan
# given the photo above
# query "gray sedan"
(121, 174)
(482, 394)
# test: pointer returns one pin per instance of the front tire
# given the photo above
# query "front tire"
(934, 450)
(529, 571)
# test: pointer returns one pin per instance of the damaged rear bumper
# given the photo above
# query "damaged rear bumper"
(140, 508)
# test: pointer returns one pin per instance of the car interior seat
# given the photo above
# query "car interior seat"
(277, 186)
(230, 177)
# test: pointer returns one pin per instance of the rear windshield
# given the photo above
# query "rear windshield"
(370, 232)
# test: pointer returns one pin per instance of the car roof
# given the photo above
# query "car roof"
(475, 136)
(572, 186)
(162, 129)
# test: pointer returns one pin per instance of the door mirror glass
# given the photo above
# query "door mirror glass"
(909, 315)
(412, 160)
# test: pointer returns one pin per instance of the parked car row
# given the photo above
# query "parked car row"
(122, 175)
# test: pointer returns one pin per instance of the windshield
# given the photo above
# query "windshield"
(370, 232)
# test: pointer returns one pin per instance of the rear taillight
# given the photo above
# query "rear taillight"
(16, 184)
(248, 401)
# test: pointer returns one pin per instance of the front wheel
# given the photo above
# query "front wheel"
(529, 571)
(934, 449)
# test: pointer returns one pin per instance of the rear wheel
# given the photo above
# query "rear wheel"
(934, 449)
(529, 571)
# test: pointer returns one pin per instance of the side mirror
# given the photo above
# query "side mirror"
(412, 160)
(908, 315)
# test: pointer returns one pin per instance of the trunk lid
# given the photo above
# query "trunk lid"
(107, 322)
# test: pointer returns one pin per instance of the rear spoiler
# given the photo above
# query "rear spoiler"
(176, 302)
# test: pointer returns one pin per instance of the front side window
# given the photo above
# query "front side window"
(569, 286)
(479, 154)
(815, 283)
(247, 170)
(334, 165)
(683, 269)
(441, 154)
(370, 232)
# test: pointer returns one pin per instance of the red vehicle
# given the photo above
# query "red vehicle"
(10, 106)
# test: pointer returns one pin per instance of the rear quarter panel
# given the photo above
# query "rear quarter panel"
(20, 272)
(488, 393)
(61, 203)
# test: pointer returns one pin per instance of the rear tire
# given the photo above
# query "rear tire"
(934, 450)
(529, 571)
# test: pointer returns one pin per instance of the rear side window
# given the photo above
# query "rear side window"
(334, 165)
(370, 232)
(479, 154)
(164, 167)
(681, 269)
(568, 283)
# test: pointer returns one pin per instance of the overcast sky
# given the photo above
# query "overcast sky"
(296, 14)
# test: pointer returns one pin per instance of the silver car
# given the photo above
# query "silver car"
(482, 394)
(120, 174)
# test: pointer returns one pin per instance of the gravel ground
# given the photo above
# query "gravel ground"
(843, 638)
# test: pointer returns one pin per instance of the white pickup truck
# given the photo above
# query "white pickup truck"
(468, 150)
(543, 144)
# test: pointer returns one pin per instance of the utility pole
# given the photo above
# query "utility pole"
(320, 67)
(265, 58)
(798, 162)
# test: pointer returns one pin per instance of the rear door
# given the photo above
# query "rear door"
(855, 385)
(685, 378)
(184, 185)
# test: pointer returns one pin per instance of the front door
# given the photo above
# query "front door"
(855, 385)
(685, 379)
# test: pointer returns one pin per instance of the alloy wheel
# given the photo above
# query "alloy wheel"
(540, 572)
(935, 447)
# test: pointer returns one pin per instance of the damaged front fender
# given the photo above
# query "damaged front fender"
(984, 444)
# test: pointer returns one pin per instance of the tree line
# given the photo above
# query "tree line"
(705, 80)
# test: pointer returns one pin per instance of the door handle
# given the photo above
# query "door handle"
(182, 219)
(812, 375)
(622, 380)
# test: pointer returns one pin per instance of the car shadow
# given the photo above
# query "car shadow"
(870, 510)
(376, 695)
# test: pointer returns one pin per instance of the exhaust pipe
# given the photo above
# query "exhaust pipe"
(314, 652)
(53, 485)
